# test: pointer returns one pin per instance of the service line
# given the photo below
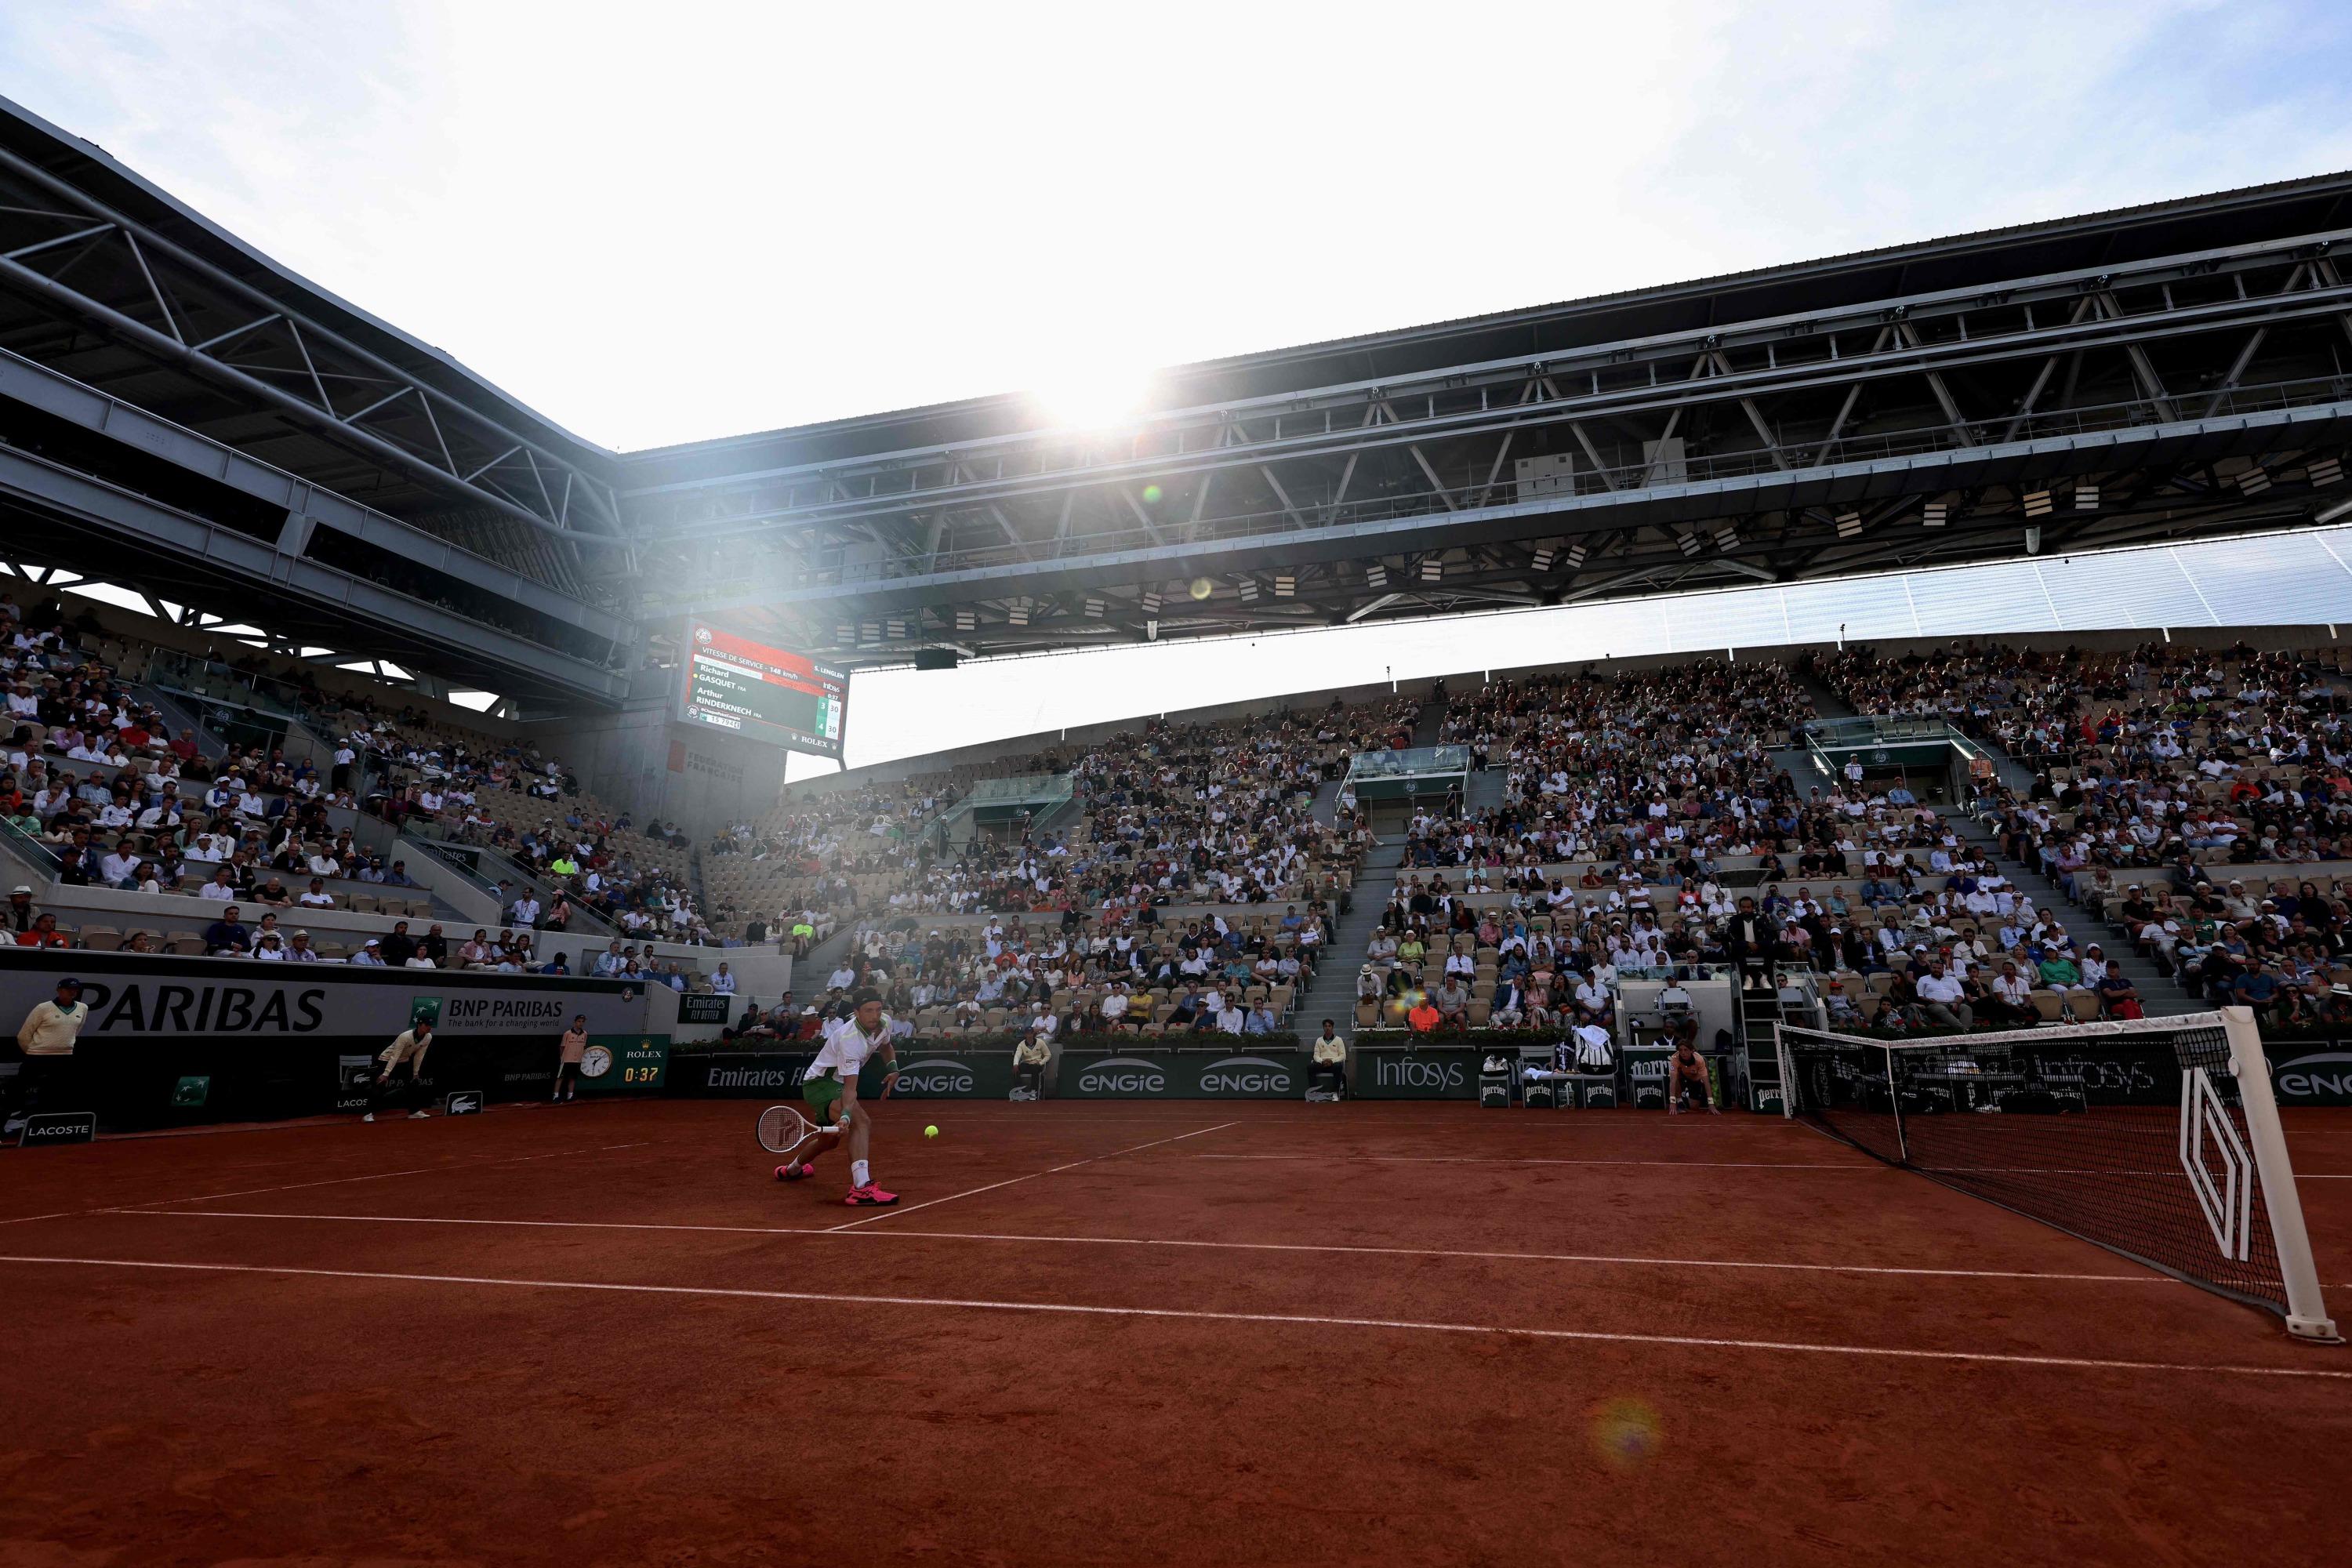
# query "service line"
(1645, 1341)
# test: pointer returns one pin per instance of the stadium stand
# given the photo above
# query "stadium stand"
(1616, 824)
(2134, 773)
(101, 792)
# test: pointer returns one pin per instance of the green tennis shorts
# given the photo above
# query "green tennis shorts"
(821, 1093)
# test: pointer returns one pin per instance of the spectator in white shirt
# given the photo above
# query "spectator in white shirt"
(1943, 999)
(723, 982)
(316, 896)
(221, 889)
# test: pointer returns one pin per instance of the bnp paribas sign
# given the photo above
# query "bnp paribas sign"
(1189, 1074)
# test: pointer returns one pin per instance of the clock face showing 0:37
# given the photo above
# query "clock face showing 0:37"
(595, 1061)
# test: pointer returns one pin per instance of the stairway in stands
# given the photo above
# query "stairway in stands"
(1487, 790)
(2159, 997)
(1333, 995)
(1795, 761)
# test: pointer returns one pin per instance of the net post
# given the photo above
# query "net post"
(1787, 1074)
(1894, 1105)
(2306, 1313)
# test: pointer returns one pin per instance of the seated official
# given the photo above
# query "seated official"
(1029, 1059)
(1326, 1065)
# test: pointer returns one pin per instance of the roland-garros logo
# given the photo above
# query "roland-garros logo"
(1122, 1075)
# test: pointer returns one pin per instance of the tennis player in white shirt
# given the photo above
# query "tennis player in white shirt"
(830, 1088)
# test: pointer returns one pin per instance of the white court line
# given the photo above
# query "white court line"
(1853, 1165)
(2151, 1277)
(374, 1176)
(1646, 1340)
(1857, 1164)
(1032, 1175)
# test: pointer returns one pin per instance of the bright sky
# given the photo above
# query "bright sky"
(657, 224)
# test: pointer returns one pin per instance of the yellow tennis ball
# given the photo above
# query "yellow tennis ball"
(930, 1132)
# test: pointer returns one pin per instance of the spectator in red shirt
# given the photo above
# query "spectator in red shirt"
(45, 933)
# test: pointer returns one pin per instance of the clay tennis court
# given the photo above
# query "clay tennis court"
(1128, 1333)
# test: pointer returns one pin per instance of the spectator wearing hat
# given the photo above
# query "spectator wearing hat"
(569, 1054)
(18, 916)
(370, 955)
(298, 949)
(2118, 998)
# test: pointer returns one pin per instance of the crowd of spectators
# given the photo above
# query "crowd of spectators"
(1072, 974)
(528, 806)
(93, 782)
(2152, 767)
(1213, 813)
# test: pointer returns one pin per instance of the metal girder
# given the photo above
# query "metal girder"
(208, 549)
(1697, 500)
(172, 272)
(1322, 495)
(58, 396)
(1619, 377)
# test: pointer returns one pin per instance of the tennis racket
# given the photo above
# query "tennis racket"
(783, 1129)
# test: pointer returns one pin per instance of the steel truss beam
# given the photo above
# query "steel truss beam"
(142, 434)
(95, 513)
(1612, 380)
(1763, 434)
(295, 366)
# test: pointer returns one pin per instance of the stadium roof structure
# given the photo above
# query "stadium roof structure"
(172, 398)
(2158, 373)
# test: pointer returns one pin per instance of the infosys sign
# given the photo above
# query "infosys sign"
(1198, 1074)
(1385, 1074)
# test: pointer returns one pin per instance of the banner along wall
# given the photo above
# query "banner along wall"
(1181, 1075)
(775, 1076)
(283, 1039)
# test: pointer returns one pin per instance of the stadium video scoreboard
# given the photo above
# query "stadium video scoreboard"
(763, 693)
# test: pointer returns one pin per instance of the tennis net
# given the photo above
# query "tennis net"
(2156, 1139)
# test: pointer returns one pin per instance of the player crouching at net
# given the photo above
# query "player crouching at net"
(1686, 1072)
(830, 1088)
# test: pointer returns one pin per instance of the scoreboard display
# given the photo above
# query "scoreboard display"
(763, 693)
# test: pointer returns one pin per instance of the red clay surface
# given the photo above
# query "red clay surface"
(1381, 1353)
